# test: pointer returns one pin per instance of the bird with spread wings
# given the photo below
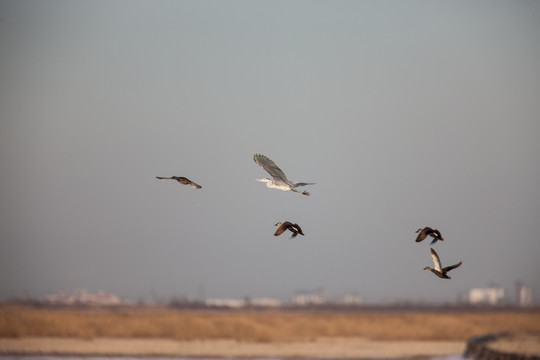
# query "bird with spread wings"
(181, 180)
(287, 225)
(279, 180)
(427, 231)
(439, 270)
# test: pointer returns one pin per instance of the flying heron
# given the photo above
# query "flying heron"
(434, 233)
(294, 228)
(440, 272)
(181, 180)
(279, 180)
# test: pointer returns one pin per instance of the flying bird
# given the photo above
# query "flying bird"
(294, 228)
(181, 180)
(434, 233)
(440, 272)
(279, 180)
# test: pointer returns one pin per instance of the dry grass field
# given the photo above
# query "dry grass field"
(246, 326)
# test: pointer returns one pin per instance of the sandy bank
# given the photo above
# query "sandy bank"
(323, 347)
(504, 346)
(527, 344)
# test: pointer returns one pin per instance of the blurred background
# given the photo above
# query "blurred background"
(404, 114)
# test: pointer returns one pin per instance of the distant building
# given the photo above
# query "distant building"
(83, 297)
(239, 303)
(350, 299)
(264, 302)
(488, 296)
(524, 295)
(303, 298)
(60, 298)
(230, 303)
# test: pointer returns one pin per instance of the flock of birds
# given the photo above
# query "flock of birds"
(279, 181)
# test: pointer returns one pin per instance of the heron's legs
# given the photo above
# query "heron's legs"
(300, 192)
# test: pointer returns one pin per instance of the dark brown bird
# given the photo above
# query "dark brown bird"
(294, 228)
(440, 272)
(434, 233)
(181, 180)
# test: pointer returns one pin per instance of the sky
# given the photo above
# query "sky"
(404, 113)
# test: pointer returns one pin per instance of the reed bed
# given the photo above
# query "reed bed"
(260, 326)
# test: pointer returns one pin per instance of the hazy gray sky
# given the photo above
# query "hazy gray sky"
(405, 113)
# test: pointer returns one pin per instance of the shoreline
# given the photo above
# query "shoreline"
(330, 347)
(504, 346)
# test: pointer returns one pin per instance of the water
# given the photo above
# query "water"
(48, 357)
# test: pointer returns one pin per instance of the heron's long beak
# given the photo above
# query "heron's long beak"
(262, 180)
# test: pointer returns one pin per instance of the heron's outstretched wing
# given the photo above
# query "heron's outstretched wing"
(448, 268)
(270, 167)
(436, 260)
(421, 236)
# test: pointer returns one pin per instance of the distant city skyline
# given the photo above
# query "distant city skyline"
(491, 295)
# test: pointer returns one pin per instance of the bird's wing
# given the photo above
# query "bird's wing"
(281, 229)
(448, 268)
(436, 233)
(194, 185)
(298, 228)
(436, 260)
(270, 167)
(421, 236)
(287, 224)
(181, 180)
